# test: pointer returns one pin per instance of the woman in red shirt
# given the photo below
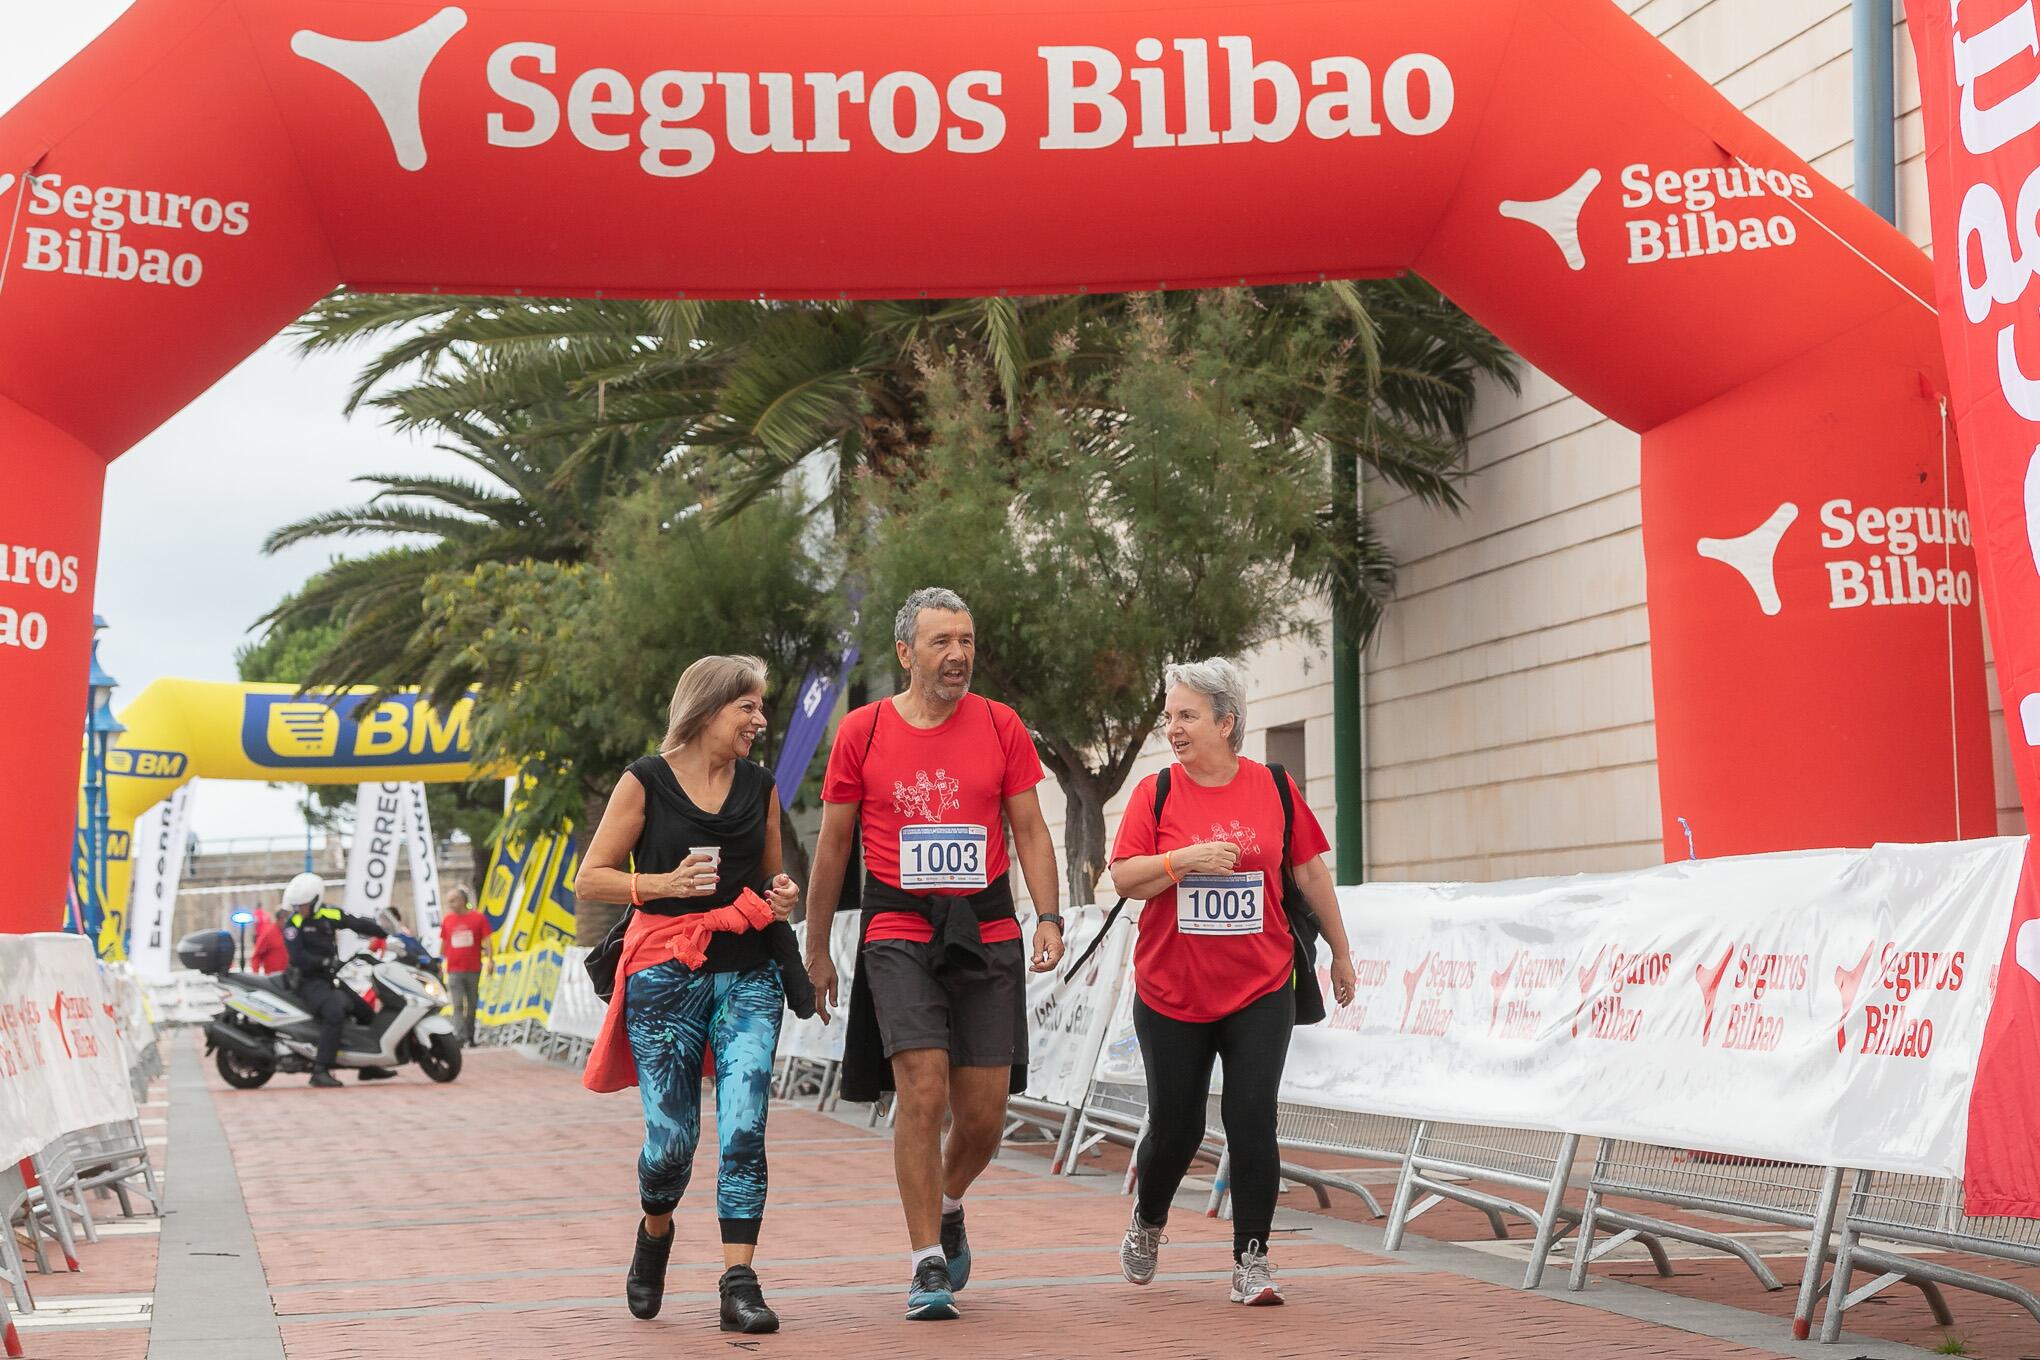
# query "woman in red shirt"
(1214, 965)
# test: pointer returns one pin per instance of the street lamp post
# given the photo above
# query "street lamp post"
(101, 727)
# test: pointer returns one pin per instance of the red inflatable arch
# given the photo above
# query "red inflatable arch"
(208, 168)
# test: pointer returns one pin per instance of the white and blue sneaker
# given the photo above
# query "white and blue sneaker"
(931, 1298)
(956, 1250)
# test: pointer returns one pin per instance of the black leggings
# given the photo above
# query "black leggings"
(1253, 1042)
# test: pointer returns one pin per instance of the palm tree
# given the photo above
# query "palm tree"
(539, 498)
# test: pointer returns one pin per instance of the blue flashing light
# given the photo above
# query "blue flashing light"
(243, 918)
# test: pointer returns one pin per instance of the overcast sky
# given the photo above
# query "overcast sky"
(181, 570)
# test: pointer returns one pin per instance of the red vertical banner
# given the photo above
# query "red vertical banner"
(49, 545)
(1980, 91)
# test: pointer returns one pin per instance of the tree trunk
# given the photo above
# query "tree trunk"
(592, 920)
(1084, 844)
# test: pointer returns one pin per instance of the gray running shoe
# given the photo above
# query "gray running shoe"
(1253, 1279)
(1139, 1250)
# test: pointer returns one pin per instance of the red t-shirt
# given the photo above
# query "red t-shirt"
(1199, 978)
(956, 777)
(271, 953)
(460, 941)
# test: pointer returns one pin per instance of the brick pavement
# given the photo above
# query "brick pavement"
(493, 1218)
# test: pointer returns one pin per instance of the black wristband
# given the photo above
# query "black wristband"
(1051, 916)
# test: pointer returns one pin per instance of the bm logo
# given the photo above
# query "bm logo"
(283, 731)
(138, 763)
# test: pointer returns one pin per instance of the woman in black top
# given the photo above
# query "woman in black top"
(686, 831)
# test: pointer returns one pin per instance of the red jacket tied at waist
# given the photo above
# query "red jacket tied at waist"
(650, 941)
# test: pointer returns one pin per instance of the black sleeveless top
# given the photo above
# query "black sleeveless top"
(673, 824)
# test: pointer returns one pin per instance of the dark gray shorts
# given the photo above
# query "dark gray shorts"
(978, 1014)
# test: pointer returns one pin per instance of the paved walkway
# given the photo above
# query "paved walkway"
(493, 1218)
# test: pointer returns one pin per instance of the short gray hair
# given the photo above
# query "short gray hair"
(467, 894)
(927, 597)
(1221, 682)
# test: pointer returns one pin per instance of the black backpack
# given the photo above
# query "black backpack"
(1303, 922)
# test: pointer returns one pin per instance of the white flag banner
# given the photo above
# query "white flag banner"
(424, 866)
(811, 1039)
(156, 858)
(1824, 1007)
(372, 859)
(576, 1011)
(1066, 1021)
(62, 1065)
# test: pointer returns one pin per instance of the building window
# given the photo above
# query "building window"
(1286, 748)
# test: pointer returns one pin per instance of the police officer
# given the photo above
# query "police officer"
(312, 934)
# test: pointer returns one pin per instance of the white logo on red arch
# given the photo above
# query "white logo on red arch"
(1675, 214)
(1886, 568)
(391, 72)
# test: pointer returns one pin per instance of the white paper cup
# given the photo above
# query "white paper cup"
(714, 853)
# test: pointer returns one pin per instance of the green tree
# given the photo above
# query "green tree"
(541, 499)
(1176, 505)
(578, 660)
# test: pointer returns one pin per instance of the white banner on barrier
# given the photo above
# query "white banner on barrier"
(1824, 1007)
(156, 857)
(62, 1066)
(810, 1039)
(1066, 1021)
(576, 1011)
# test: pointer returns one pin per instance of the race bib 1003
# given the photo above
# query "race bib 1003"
(948, 855)
(1220, 904)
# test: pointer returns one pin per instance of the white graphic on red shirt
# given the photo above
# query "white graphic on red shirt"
(927, 798)
(1245, 837)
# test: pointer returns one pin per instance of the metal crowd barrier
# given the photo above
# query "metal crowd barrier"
(1788, 1195)
(1923, 1211)
(1440, 1154)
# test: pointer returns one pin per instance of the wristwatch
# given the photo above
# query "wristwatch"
(1050, 918)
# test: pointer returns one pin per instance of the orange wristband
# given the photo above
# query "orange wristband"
(635, 900)
(1174, 877)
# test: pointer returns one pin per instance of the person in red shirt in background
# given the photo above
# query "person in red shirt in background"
(272, 952)
(464, 943)
(933, 775)
(1214, 967)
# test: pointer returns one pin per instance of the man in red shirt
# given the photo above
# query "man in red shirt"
(932, 775)
(464, 943)
(272, 952)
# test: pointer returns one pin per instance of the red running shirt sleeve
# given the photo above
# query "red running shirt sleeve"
(1201, 978)
(902, 775)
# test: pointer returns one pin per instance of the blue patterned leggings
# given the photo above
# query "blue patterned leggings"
(673, 1016)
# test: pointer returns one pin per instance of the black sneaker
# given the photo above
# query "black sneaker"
(324, 1078)
(743, 1303)
(644, 1288)
(956, 1249)
(376, 1074)
(931, 1297)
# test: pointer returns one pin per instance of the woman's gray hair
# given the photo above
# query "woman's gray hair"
(927, 597)
(705, 689)
(1221, 682)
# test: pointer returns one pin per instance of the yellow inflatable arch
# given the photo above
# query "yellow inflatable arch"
(178, 730)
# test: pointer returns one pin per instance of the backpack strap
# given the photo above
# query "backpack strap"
(1288, 808)
(1161, 797)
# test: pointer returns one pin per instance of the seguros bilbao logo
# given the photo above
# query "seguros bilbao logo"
(1706, 212)
(1884, 568)
(285, 731)
(1097, 97)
